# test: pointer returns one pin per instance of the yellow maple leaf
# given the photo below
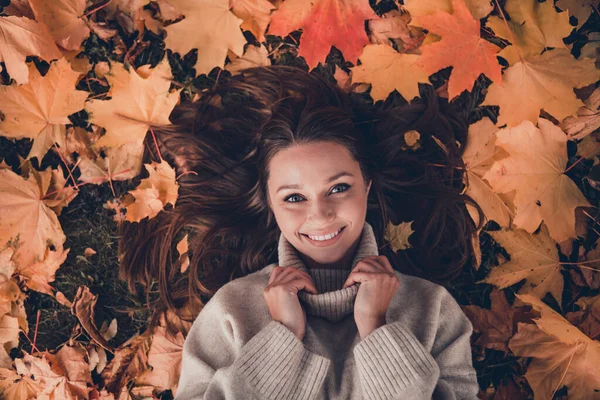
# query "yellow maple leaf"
(40, 108)
(544, 81)
(533, 26)
(535, 169)
(479, 155)
(26, 221)
(21, 37)
(255, 14)
(209, 26)
(386, 69)
(398, 235)
(64, 19)
(154, 192)
(562, 354)
(139, 99)
(533, 258)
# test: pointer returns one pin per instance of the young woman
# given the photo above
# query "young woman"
(287, 186)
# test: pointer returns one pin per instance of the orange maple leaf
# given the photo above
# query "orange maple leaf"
(461, 47)
(325, 23)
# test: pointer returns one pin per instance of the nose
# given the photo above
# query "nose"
(321, 212)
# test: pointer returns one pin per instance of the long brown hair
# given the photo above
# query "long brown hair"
(221, 145)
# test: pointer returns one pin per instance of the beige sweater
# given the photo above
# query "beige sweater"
(235, 350)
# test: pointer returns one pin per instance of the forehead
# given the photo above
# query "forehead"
(311, 161)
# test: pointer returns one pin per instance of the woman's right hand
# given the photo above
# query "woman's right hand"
(281, 296)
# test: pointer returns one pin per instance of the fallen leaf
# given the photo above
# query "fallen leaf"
(324, 23)
(26, 221)
(40, 108)
(387, 70)
(64, 19)
(533, 258)
(561, 354)
(461, 47)
(417, 8)
(535, 169)
(22, 37)
(255, 15)
(545, 81)
(398, 235)
(138, 101)
(209, 26)
(83, 308)
(533, 26)
(479, 156)
(154, 192)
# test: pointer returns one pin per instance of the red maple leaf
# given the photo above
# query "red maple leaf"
(324, 23)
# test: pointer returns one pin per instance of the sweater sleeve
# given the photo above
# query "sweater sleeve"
(393, 364)
(273, 364)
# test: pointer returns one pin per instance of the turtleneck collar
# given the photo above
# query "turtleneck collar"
(332, 302)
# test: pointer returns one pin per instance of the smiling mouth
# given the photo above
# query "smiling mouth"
(340, 231)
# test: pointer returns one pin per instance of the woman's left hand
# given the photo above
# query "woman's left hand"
(378, 284)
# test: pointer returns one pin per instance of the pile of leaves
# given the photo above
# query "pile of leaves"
(84, 81)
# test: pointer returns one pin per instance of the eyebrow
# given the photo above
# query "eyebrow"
(333, 178)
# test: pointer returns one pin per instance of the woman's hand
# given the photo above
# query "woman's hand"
(281, 296)
(378, 284)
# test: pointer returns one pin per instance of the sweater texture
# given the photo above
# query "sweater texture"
(235, 350)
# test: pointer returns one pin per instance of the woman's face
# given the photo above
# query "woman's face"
(319, 205)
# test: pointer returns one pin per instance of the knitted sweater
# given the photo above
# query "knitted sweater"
(235, 350)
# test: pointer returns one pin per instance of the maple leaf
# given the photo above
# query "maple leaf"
(324, 23)
(545, 81)
(417, 8)
(255, 14)
(386, 70)
(154, 192)
(25, 219)
(398, 235)
(461, 47)
(498, 324)
(210, 27)
(139, 100)
(587, 319)
(394, 26)
(40, 108)
(164, 357)
(479, 155)
(533, 26)
(587, 119)
(253, 57)
(532, 257)
(64, 19)
(22, 37)
(562, 354)
(40, 273)
(119, 164)
(535, 168)
(580, 9)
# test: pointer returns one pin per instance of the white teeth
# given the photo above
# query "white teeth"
(326, 237)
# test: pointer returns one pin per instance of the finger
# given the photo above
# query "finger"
(369, 264)
(278, 273)
(299, 283)
(383, 260)
(290, 274)
(358, 277)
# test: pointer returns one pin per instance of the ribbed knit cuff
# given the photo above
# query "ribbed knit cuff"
(391, 359)
(278, 366)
